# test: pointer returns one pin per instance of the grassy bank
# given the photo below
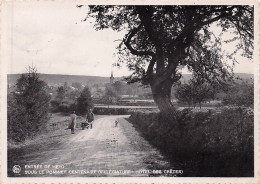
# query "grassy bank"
(205, 143)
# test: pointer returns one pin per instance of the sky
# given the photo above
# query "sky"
(52, 37)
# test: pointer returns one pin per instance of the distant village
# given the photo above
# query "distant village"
(65, 89)
(117, 89)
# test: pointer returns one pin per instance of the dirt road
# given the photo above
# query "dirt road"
(104, 147)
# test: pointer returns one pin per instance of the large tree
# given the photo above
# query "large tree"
(28, 107)
(161, 40)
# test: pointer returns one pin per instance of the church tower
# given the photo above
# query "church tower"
(112, 78)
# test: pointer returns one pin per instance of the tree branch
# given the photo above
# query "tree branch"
(127, 41)
(149, 71)
(146, 14)
(222, 13)
(148, 77)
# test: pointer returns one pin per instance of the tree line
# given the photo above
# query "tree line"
(196, 91)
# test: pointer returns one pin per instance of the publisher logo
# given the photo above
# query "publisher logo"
(16, 169)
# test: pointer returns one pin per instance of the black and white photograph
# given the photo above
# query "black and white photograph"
(141, 90)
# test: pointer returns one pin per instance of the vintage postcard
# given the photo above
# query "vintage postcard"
(129, 91)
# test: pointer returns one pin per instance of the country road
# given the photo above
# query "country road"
(102, 148)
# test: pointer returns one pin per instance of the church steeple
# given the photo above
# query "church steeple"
(112, 78)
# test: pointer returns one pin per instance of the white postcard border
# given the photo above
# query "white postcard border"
(162, 180)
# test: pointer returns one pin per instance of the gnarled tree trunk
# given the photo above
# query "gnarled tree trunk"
(161, 92)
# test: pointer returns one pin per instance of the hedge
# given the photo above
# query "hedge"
(218, 144)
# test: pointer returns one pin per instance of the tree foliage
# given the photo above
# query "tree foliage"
(240, 94)
(184, 93)
(61, 92)
(195, 91)
(77, 85)
(27, 107)
(84, 101)
(73, 95)
(119, 87)
(174, 36)
(111, 96)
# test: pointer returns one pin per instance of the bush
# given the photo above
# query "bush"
(221, 144)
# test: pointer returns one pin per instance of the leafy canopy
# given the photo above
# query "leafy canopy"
(161, 40)
(196, 91)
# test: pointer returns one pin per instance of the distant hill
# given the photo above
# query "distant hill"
(56, 79)
(243, 76)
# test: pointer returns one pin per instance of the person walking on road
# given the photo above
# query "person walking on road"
(90, 118)
(73, 119)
